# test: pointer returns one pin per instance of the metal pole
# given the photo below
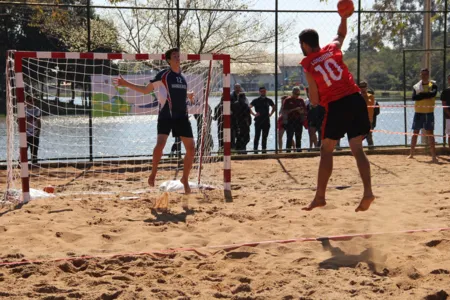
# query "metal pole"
(358, 62)
(444, 84)
(178, 24)
(427, 35)
(427, 54)
(178, 140)
(404, 97)
(276, 77)
(91, 142)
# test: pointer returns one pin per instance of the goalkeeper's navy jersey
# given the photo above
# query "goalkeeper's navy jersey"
(171, 90)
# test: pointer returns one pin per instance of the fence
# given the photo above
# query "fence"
(262, 38)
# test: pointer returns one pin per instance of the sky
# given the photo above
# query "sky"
(325, 23)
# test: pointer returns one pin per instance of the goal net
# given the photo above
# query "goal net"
(69, 127)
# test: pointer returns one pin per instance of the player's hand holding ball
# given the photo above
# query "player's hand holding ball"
(345, 8)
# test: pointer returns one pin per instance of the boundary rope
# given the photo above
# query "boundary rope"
(406, 133)
(229, 247)
(408, 105)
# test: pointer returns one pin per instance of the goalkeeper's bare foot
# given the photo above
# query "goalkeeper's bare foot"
(317, 202)
(411, 156)
(151, 180)
(365, 203)
(187, 188)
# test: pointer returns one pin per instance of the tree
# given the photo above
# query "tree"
(244, 35)
(400, 29)
(39, 28)
(69, 27)
(368, 43)
(387, 33)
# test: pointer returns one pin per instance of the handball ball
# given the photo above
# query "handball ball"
(345, 8)
(49, 189)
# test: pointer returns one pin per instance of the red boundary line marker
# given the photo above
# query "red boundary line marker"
(228, 247)
(409, 105)
(405, 133)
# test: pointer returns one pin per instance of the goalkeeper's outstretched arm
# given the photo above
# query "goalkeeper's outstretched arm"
(144, 89)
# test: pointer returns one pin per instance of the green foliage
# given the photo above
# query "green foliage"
(70, 29)
(384, 36)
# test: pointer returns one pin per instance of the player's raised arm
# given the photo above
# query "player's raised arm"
(341, 34)
(313, 91)
(345, 10)
(144, 89)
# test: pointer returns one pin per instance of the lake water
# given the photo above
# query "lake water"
(68, 136)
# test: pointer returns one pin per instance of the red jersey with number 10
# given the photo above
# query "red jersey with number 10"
(332, 77)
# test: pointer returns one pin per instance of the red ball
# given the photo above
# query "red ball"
(49, 189)
(345, 8)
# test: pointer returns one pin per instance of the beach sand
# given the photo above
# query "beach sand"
(267, 199)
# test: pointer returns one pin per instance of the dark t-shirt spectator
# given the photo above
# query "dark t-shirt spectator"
(241, 111)
(293, 103)
(445, 96)
(262, 106)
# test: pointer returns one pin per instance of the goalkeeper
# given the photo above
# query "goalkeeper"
(171, 88)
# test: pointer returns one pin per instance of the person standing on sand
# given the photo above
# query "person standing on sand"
(173, 116)
(424, 95)
(370, 101)
(331, 84)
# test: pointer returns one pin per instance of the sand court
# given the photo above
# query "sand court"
(267, 199)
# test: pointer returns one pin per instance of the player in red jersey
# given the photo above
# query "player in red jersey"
(332, 86)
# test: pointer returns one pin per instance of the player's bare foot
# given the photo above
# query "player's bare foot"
(317, 202)
(410, 156)
(365, 203)
(151, 180)
(187, 188)
(435, 160)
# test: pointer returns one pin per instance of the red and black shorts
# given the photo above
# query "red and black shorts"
(347, 115)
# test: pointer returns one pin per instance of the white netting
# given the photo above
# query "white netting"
(94, 136)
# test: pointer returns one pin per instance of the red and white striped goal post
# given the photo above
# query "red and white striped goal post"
(20, 95)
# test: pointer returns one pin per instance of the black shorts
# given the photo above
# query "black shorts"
(180, 127)
(347, 115)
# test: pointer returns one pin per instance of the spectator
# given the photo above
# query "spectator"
(262, 118)
(315, 116)
(370, 102)
(175, 150)
(376, 111)
(445, 98)
(424, 95)
(218, 116)
(208, 143)
(280, 126)
(236, 92)
(33, 122)
(295, 109)
(235, 114)
(242, 121)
